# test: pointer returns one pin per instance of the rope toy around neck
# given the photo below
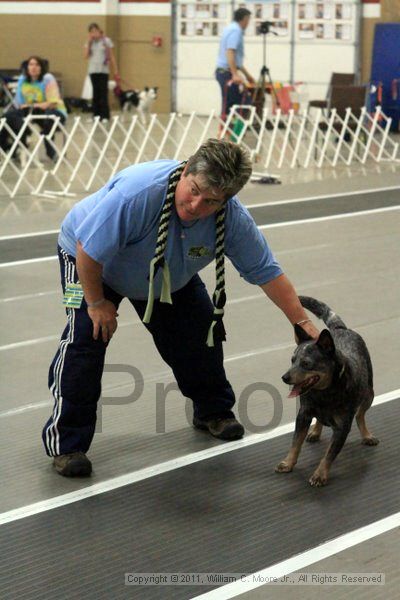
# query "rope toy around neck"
(162, 237)
(216, 330)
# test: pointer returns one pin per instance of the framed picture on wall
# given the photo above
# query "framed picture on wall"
(339, 11)
(203, 18)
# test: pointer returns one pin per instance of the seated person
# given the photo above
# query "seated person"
(37, 94)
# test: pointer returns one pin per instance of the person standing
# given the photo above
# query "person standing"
(100, 55)
(230, 68)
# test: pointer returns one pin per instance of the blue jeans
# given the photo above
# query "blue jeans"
(179, 332)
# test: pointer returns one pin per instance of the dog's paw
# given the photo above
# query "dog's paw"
(317, 479)
(312, 438)
(370, 441)
(283, 467)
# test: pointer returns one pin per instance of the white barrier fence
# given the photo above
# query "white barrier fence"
(88, 154)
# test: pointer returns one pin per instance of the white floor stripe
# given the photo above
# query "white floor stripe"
(323, 197)
(268, 226)
(50, 338)
(165, 467)
(259, 296)
(29, 261)
(29, 296)
(25, 408)
(289, 251)
(252, 297)
(259, 205)
(309, 557)
(30, 234)
(32, 342)
(165, 375)
(372, 211)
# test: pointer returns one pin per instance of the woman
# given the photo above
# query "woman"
(99, 53)
(37, 94)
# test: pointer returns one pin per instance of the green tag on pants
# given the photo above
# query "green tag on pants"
(73, 295)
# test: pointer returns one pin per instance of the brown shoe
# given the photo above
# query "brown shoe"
(224, 429)
(75, 464)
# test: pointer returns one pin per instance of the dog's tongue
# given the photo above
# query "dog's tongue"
(295, 391)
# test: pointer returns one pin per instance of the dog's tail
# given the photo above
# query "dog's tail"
(322, 311)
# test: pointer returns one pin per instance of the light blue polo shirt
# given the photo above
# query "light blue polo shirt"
(232, 39)
(117, 226)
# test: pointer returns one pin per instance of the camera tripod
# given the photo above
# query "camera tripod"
(260, 91)
(265, 73)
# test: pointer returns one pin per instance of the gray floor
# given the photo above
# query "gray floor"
(144, 531)
(351, 263)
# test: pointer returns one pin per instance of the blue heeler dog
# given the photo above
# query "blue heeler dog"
(333, 377)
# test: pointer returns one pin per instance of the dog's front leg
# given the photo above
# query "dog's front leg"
(303, 422)
(321, 473)
(142, 115)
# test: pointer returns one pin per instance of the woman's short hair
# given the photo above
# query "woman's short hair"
(42, 62)
(225, 166)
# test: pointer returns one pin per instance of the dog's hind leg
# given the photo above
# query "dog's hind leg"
(315, 433)
(303, 422)
(366, 436)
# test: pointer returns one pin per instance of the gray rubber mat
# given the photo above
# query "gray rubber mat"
(227, 514)
(45, 245)
(324, 207)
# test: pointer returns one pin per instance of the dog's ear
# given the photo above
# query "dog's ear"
(301, 334)
(146, 89)
(325, 342)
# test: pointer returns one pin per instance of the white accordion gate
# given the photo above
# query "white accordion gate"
(88, 154)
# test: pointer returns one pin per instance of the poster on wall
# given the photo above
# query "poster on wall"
(306, 31)
(326, 21)
(203, 11)
(285, 11)
(339, 11)
(320, 31)
(347, 11)
(319, 10)
(328, 11)
(276, 11)
(281, 28)
(329, 31)
(203, 18)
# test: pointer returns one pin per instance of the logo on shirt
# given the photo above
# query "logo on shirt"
(199, 252)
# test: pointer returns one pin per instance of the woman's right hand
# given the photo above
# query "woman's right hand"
(104, 318)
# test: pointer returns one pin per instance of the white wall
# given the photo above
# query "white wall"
(312, 61)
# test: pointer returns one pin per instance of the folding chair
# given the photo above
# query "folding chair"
(337, 79)
(348, 96)
(7, 91)
(344, 113)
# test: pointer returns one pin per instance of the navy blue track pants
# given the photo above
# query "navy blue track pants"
(179, 332)
(230, 93)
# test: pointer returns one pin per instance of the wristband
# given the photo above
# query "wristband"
(303, 321)
(95, 304)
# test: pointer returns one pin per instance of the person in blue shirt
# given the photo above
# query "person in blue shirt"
(230, 68)
(145, 236)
